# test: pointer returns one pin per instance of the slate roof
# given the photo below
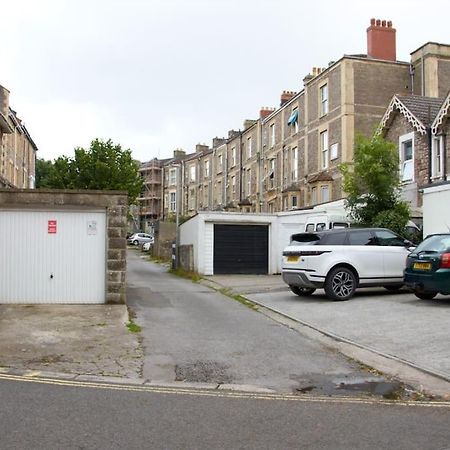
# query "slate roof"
(423, 108)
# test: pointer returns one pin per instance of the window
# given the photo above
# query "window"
(219, 192)
(294, 164)
(219, 162)
(324, 194)
(361, 238)
(192, 199)
(173, 177)
(293, 120)
(206, 168)
(249, 182)
(333, 239)
(233, 156)
(323, 99)
(192, 173)
(314, 195)
(272, 135)
(436, 157)
(173, 202)
(249, 148)
(387, 238)
(272, 174)
(324, 149)
(294, 201)
(406, 147)
(233, 185)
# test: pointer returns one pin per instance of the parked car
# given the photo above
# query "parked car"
(427, 269)
(341, 260)
(140, 238)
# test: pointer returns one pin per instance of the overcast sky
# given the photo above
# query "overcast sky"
(155, 75)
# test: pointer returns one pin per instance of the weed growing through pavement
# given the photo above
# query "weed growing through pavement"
(133, 327)
(193, 276)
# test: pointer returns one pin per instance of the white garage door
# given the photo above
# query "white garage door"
(52, 256)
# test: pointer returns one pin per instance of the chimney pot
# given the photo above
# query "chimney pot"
(381, 40)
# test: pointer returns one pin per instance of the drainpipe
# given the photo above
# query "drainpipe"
(444, 156)
(240, 166)
(429, 140)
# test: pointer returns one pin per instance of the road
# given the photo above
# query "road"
(192, 333)
(65, 415)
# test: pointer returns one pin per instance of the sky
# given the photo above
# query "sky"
(157, 75)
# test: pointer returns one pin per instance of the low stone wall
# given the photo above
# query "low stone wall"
(116, 205)
(165, 236)
(186, 257)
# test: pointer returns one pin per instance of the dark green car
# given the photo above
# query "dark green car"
(427, 270)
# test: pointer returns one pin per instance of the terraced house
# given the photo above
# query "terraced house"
(17, 148)
(288, 158)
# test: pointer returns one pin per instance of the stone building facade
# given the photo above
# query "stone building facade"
(17, 148)
(289, 157)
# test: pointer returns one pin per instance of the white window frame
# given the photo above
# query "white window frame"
(233, 185)
(296, 127)
(249, 182)
(249, 147)
(407, 165)
(192, 172)
(324, 189)
(206, 167)
(172, 177)
(314, 195)
(272, 135)
(324, 149)
(334, 151)
(437, 156)
(294, 160)
(219, 162)
(192, 199)
(173, 202)
(233, 156)
(323, 98)
(272, 180)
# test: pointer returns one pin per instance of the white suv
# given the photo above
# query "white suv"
(342, 260)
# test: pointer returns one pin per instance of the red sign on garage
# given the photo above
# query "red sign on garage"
(51, 228)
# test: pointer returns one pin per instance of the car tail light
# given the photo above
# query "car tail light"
(445, 261)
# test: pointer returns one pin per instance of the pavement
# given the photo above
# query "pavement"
(395, 333)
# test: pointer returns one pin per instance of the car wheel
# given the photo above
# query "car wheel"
(136, 242)
(302, 291)
(340, 283)
(393, 287)
(425, 295)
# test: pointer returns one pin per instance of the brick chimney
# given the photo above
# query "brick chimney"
(381, 40)
(179, 153)
(286, 96)
(264, 112)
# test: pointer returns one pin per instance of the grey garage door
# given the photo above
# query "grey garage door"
(241, 249)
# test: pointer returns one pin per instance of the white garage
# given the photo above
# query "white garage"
(62, 247)
(53, 256)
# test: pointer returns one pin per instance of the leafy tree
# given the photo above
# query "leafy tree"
(372, 184)
(104, 166)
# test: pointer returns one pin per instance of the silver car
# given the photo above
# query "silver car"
(140, 238)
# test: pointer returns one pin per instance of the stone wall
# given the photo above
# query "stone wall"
(165, 235)
(116, 205)
(186, 257)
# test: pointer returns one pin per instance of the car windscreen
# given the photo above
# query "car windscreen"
(437, 243)
(305, 239)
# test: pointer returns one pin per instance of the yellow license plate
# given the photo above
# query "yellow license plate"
(292, 258)
(422, 266)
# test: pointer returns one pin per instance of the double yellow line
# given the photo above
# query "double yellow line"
(34, 377)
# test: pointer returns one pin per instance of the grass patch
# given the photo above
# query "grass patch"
(239, 298)
(193, 276)
(133, 327)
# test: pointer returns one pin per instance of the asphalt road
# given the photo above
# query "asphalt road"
(194, 334)
(51, 416)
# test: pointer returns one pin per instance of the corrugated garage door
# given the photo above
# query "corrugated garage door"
(241, 249)
(52, 256)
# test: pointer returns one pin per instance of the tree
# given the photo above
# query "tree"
(372, 184)
(104, 166)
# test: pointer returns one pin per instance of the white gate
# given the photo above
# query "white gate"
(52, 256)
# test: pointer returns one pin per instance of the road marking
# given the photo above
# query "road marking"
(33, 378)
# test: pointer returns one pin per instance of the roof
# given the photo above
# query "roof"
(322, 176)
(418, 110)
(442, 113)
